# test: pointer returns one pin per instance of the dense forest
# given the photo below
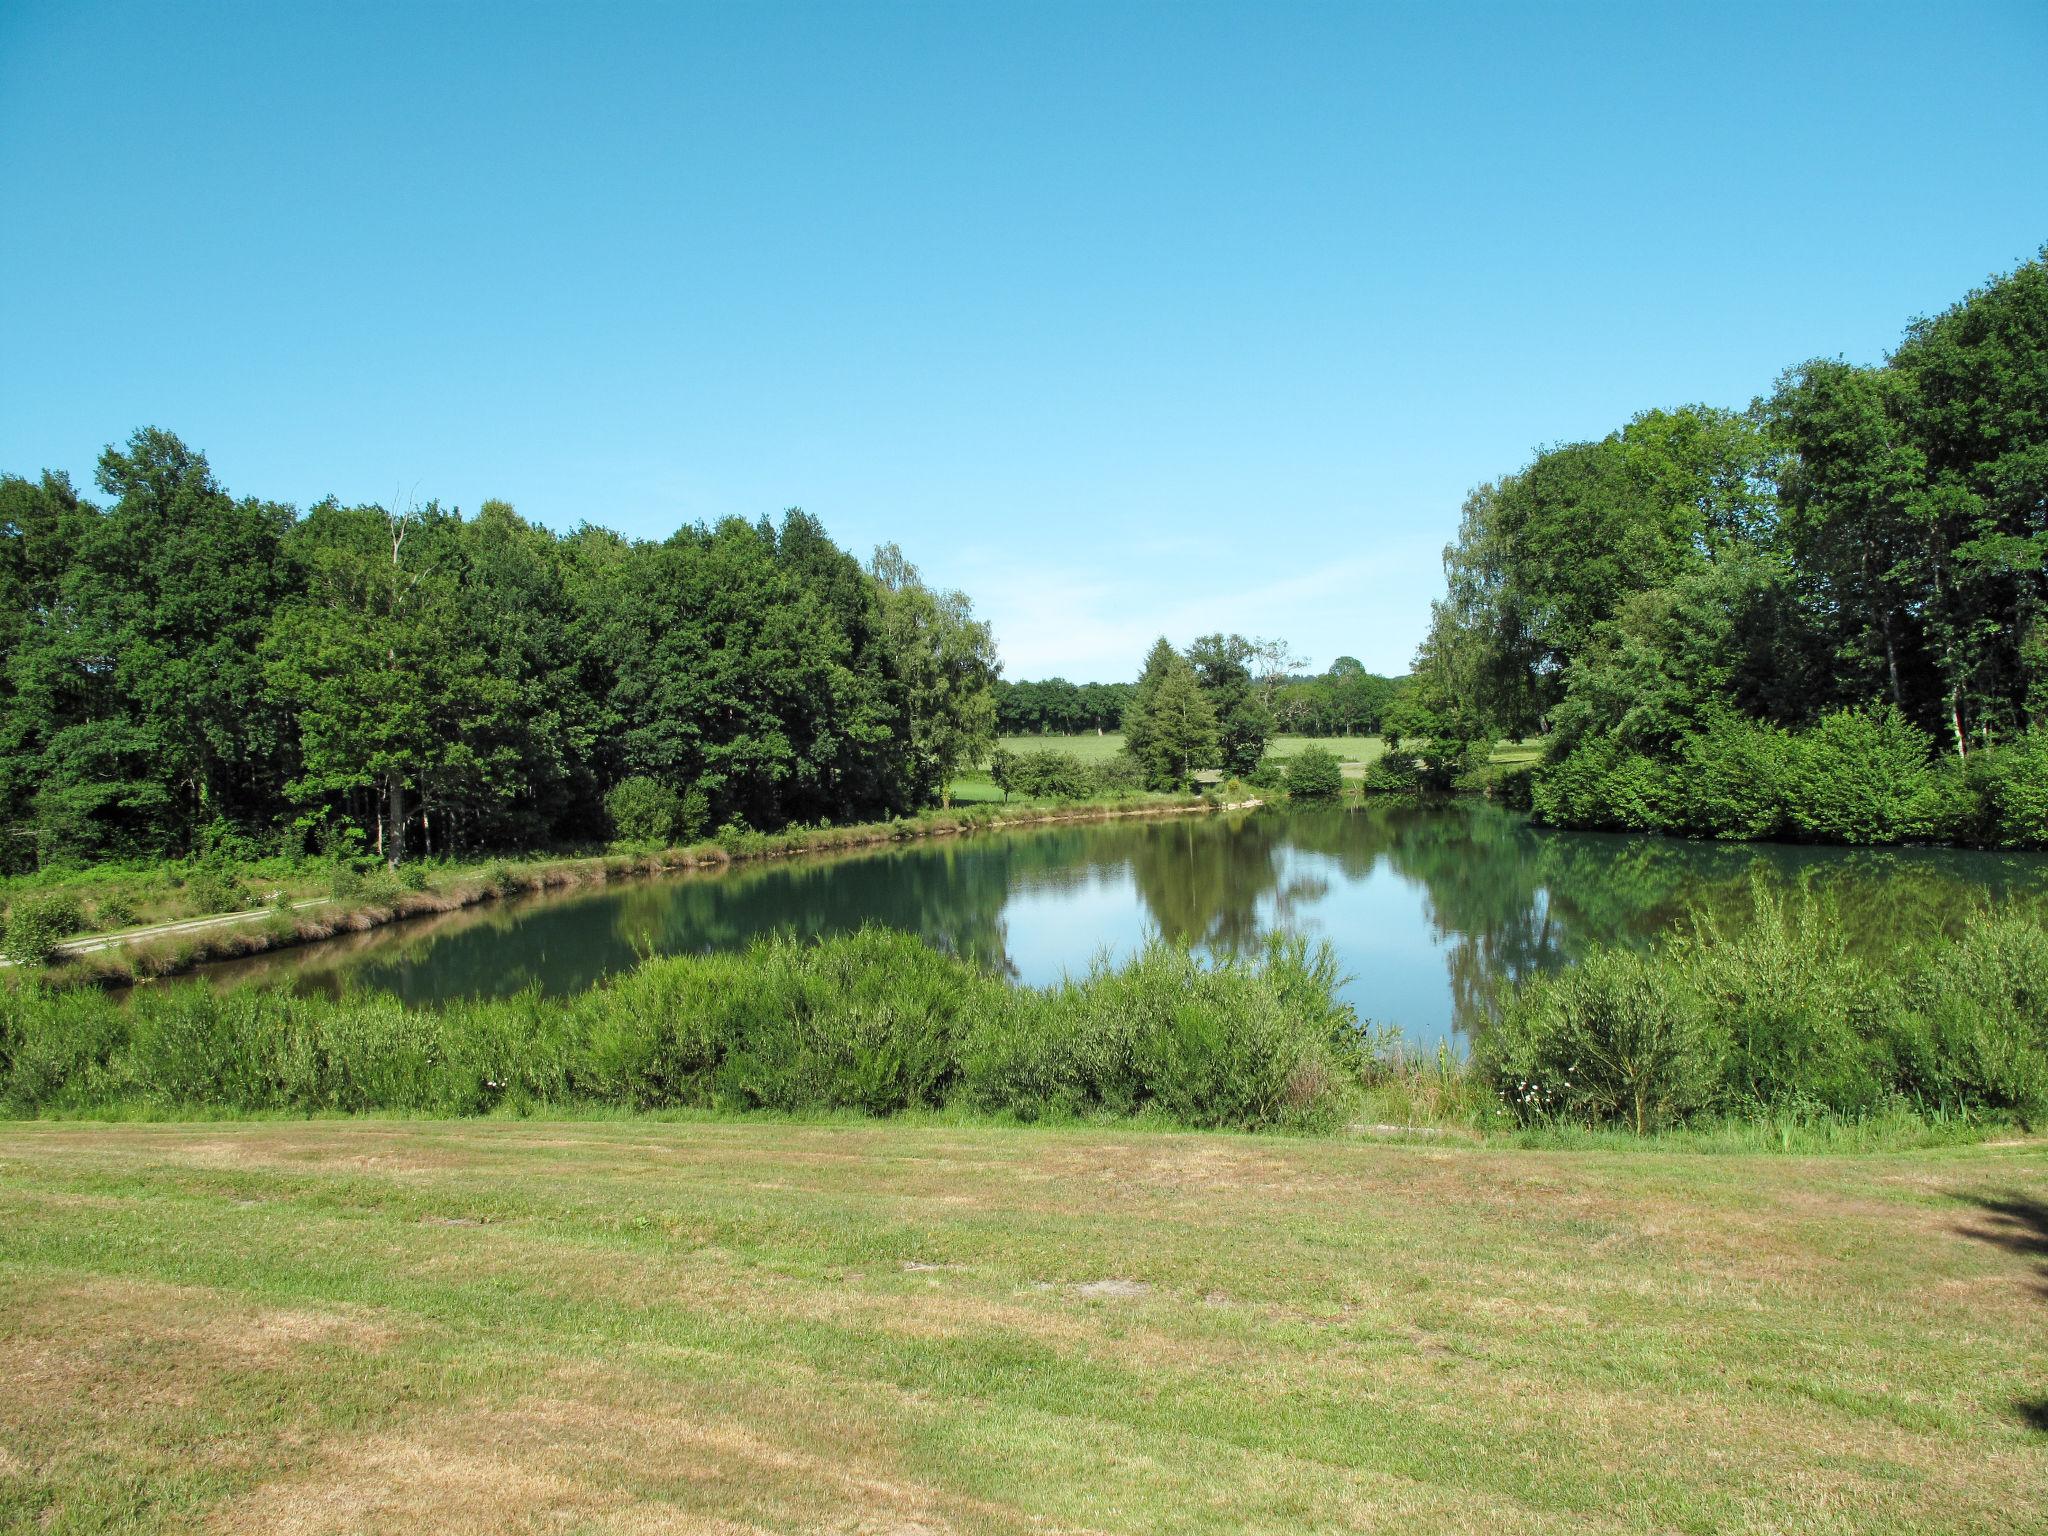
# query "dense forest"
(188, 671)
(1823, 617)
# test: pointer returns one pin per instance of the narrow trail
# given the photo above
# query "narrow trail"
(88, 945)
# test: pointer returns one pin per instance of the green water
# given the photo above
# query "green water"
(1428, 907)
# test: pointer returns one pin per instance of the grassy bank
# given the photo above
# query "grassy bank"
(122, 902)
(1774, 1036)
(622, 1326)
(875, 1022)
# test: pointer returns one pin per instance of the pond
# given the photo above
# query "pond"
(1428, 907)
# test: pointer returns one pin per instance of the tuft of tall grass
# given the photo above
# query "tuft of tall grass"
(875, 1023)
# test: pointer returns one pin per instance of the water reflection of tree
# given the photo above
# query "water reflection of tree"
(1509, 899)
(1202, 881)
(1503, 898)
(950, 895)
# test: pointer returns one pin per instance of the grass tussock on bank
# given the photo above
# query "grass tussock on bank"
(876, 1023)
(1773, 1037)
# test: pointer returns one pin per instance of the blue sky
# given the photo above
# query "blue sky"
(1124, 318)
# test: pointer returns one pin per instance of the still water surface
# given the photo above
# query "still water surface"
(1427, 907)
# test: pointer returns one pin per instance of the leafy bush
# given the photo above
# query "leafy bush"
(36, 925)
(1394, 772)
(1982, 1009)
(1609, 1041)
(213, 888)
(1116, 775)
(1315, 773)
(645, 810)
(345, 883)
(1601, 783)
(1223, 1045)
(1802, 1025)
(1861, 776)
(876, 1022)
(1999, 799)
(110, 912)
(1045, 775)
(1735, 778)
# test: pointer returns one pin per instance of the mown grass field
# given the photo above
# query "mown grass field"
(644, 1325)
(1355, 753)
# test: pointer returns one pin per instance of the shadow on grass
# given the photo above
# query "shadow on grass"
(2018, 1224)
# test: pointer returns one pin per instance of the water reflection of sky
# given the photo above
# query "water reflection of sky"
(1428, 909)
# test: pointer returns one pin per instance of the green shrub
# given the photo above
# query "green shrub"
(1116, 775)
(1735, 778)
(345, 883)
(645, 810)
(1803, 1025)
(1982, 1007)
(1315, 773)
(36, 925)
(212, 889)
(381, 887)
(1509, 783)
(412, 876)
(1048, 776)
(2000, 799)
(1615, 1040)
(110, 912)
(1599, 782)
(875, 1022)
(1862, 776)
(1223, 1045)
(1393, 772)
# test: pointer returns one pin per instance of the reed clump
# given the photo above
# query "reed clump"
(874, 1022)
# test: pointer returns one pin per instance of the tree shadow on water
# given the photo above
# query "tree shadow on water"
(2018, 1224)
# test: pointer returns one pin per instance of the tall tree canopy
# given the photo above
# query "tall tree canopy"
(1864, 539)
(181, 668)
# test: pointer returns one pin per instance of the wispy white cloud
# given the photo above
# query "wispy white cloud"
(1094, 617)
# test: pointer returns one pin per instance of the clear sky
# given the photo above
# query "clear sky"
(1126, 318)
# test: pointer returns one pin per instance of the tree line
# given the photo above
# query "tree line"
(186, 670)
(1823, 616)
(1346, 700)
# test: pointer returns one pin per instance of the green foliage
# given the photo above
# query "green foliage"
(1773, 1020)
(111, 912)
(37, 924)
(1047, 776)
(1314, 773)
(1171, 727)
(876, 1022)
(1115, 775)
(182, 673)
(645, 810)
(1982, 1011)
(214, 888)
(1767, 624)
(1861, 776)
(1609, 1041)
(1394, 772)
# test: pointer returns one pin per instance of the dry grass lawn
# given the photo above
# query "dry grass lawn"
(700, 1326)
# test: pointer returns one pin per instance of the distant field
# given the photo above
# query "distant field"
(635, 1326)
(1354, 751)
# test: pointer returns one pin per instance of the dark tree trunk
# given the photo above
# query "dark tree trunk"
(394, 820)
